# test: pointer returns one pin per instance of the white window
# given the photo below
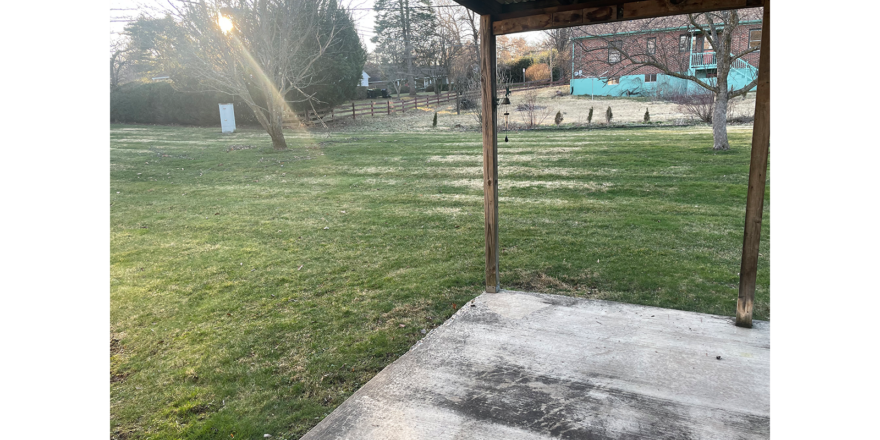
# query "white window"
(754, 38)
(613, 53)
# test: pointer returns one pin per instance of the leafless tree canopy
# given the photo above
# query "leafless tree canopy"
(269, 53)
(532, 114)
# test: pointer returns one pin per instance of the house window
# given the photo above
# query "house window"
(613, 81)
(698, 43)
(652, 45)
(684, 43)
(755, 38)
(650, 77)
(712, 73)
(613, 53)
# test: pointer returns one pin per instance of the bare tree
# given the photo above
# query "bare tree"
(560, 39)
(118, 61)
(531, 113)
(721, 41)
(473, 24)
(263, 51)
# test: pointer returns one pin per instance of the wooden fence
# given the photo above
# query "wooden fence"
(389, 107)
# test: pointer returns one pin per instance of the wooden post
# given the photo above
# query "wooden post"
(748, 271)
(371, 109)
(490, 151)
(353, 115)
(457, 103)
(388, 104)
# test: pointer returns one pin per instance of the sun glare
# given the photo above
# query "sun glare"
(225, 23)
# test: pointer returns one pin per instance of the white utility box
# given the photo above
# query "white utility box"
(227, 118)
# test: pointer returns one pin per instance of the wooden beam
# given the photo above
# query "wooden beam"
(490, 150)
(554, 17)
(662, 8)
(524, 9)
(482, 7)
(748, 271)
(555, 20)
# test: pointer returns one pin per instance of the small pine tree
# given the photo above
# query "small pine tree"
(558, 119)
(435, 120)
(647, 116)
(590, 116)
(608, 115)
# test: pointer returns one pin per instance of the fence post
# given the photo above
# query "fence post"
(417, 102)
(371, 109)
(353, 115)
(389, 107)
(457, 103)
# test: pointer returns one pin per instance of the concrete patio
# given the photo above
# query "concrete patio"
(517, 365)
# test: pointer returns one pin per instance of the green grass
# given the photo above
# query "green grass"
(252, 291)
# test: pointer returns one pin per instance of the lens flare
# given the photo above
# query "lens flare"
(225, 23)
(279, 101)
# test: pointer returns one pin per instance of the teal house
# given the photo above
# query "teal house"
(638, 62)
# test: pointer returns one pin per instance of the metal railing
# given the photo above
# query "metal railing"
(706, 60)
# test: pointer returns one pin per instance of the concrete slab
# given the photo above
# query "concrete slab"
(519, 365)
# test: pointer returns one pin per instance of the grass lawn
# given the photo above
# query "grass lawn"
(252, 291)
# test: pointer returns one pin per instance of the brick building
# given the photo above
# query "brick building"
(602, 66)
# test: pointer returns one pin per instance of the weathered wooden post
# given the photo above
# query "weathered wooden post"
(353, 115)
(388, 104)
(490, 151)
(371, 109)
(748, 271)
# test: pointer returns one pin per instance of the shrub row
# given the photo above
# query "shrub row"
(159, 103)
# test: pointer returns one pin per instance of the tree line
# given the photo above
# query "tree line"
(272, 55)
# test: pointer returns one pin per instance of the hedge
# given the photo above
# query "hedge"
(159, 103)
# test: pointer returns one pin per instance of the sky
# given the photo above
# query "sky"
(362, 11)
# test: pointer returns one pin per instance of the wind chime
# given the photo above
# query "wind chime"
(505, 102)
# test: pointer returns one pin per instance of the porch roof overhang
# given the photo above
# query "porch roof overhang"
(658, 30)
(512, 16)
(498, 17)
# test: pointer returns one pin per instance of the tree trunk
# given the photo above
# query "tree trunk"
(271, 123)
(719, 120)
(407, 46)
(276, 106)
(275, 131)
